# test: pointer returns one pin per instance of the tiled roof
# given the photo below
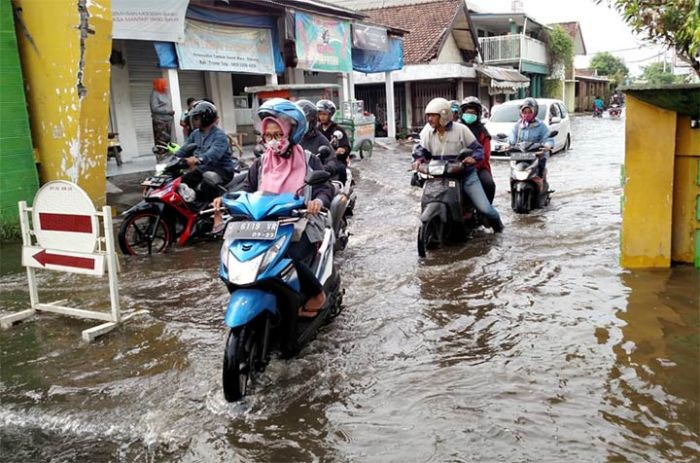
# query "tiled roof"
(573, 29)
(427, 22)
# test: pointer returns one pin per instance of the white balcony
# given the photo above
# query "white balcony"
(511, 49)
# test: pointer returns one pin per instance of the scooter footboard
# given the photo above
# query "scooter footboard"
(246, 304)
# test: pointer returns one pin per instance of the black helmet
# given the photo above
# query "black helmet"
(205, 111)
(530, 103)
(471, 102)
(310, 112)
(326, 106)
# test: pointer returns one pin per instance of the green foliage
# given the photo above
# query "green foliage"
(611, 66)
(553, 88)
(561, 47)
(655, 74)
(673, 22)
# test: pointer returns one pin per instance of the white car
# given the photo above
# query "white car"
(552, 112)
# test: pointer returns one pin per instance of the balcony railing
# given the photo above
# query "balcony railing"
(507, 49)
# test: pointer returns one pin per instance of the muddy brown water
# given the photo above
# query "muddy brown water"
(531, 346)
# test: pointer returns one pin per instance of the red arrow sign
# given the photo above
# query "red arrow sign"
(44, 258)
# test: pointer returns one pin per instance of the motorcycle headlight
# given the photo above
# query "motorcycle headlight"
(271, 253)
(241, 273)
(522, 174)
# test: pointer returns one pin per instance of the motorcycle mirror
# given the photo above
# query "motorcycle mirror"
(553, 133)
(501, 136)
(317, 177)
(324, 152)
(258, 150)
(189, 148)
(338, 135)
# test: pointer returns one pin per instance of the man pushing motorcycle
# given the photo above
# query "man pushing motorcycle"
(444, 138)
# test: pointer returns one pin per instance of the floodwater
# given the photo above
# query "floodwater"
(530, 346)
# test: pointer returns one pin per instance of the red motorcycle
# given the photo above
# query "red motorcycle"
(167, 213)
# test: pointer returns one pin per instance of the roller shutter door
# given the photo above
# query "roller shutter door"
(143, 68)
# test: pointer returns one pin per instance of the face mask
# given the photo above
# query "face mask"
(469, 118)
(278, 147)
(529, 117)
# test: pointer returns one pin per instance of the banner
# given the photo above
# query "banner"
(366, 37)
(149, 20)
(322, 44)
(209, 47)
(368, 61)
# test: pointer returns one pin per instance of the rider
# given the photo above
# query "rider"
(532, 130)
(282, 168)
(313, 140)
(598, 104)
(442, 137)
(471, 116)
(326, 110)
(210, 163)
(615, 99)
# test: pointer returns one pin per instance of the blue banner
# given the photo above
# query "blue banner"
(369, 61)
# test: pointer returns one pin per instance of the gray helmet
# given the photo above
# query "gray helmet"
(530, 103)
(310, 112)
(326, 106)
(471, 102)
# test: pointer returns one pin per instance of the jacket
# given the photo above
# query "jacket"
(536, 132)
(456, 138)
(213, 150)
(342, 143)
(161, 109)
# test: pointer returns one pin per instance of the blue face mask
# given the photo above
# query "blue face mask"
(469, 118)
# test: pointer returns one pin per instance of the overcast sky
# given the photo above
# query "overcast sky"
(602, 27)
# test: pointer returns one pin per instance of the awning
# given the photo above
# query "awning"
(504, 77)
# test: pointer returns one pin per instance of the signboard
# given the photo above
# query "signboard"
(210, 47)
(149, 20)
(369, 61)
(90, 264)
(367, 37)
(64, 218)
(322, 44)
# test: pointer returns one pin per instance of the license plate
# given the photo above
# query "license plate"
(251, 230)
(523, 156)
(154, 181)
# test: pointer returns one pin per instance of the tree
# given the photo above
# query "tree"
(611, 66)
(561, 47)
(656, 74)
(675, 23)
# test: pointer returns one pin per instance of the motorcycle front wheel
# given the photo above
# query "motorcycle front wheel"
(239, 362)
(427, 235)
(521, 201)
(137, 235)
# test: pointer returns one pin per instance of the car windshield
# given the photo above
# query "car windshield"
(511, 113)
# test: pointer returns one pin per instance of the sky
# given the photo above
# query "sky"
(602, 28)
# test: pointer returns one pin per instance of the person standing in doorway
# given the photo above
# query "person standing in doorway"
(162, 117)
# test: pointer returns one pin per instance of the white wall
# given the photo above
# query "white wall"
(121, 100)
(450, 52)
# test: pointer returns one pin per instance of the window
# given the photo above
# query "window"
(554, 111)
(564, 112)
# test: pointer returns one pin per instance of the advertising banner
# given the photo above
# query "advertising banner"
(366, 37)
(210, 47)
(369, 61)
(149, 20)
(322, 44)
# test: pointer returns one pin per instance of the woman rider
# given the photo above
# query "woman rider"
(471, 116)
(282, 169)
(532, 130)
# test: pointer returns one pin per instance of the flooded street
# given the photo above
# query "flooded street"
(530, 346)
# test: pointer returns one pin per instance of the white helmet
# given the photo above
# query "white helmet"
(441, 107)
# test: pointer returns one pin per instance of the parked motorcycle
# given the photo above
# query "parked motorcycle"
(168, 211)
(615, 111)
(447, 214)
(262, 313)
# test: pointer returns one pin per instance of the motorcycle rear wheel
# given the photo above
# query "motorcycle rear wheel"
(135, 230)
(240, 357)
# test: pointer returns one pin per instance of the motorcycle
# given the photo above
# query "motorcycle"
(615, 111)
(447, 214)
(343, 202)
(262, 313)
(597, 112)
(168, 211)
(524, 192)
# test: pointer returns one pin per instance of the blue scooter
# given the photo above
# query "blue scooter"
(262, 312)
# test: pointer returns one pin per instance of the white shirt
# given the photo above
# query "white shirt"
(456, 137)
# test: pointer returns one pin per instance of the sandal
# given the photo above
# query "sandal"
(310, 312)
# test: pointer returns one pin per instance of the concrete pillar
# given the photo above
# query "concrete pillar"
(351, 86)
(390, 113)
(220, 89)
(409, 105)
(460, 90)
(271, 79)
(174, 92)
(294, 76)
(65, 47)
(122, 109)
(344, 92)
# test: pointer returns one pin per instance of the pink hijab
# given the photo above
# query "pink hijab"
(282, 175)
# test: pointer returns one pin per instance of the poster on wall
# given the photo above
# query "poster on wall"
(366, 37)
(149, 20)
(322, 44)
(210, 47)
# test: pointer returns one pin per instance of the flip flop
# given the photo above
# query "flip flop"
(305, 312)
